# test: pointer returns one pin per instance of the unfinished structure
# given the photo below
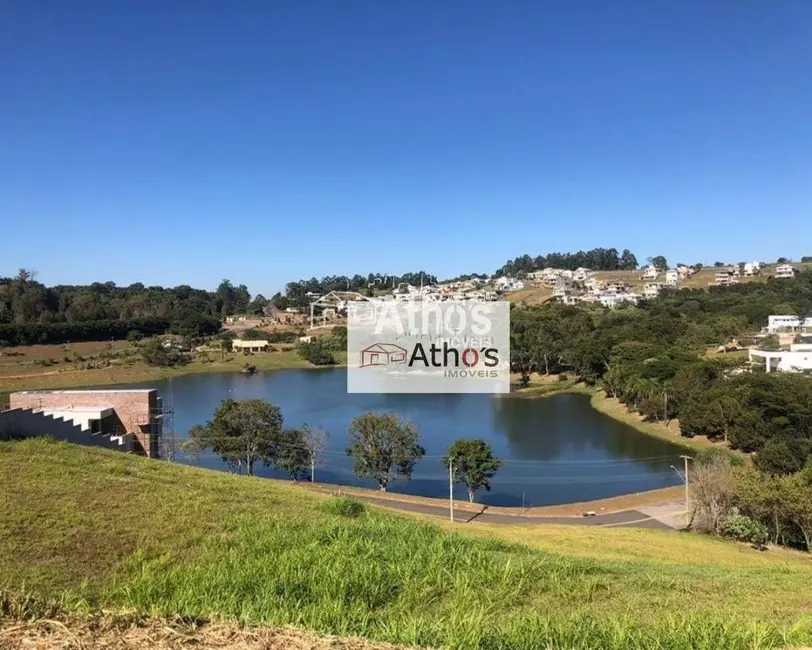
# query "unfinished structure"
(128, 420)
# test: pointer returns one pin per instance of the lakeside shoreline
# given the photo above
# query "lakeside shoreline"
(288, 360)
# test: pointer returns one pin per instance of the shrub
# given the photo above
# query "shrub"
(316, 353)
(344, 507)
(134, 335)
(745, 529)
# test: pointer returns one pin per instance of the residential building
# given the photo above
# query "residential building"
(784, 271)
(612, 300)
(505, 284)
(650, 272)
(752, 268)
(581, 274)
(250, 346)
(617, 287)
(652, 289)
(593, 285)
(788, 323)
(726, 277)
(684, 272)
(672, 277)
(797, 359)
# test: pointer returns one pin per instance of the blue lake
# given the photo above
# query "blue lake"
(556, 450)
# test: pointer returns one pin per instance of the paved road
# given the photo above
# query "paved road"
(626, 518)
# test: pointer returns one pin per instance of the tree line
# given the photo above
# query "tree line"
(597, 259)
(384, 446)
(31, 312)
(654, 359)
(295, 294)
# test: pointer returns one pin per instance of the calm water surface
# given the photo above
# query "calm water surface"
(556, 450)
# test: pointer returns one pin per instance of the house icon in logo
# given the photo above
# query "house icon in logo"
(382, 354)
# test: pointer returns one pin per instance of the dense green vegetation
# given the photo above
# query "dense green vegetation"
(200, 543)
(296, 292)
(597, 259)
(654, 359)
(32, 313)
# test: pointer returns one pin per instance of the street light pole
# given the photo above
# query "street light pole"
(451, 489)
(684, 476)
(687, 494)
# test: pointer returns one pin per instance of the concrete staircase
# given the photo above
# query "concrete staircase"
(28, 423)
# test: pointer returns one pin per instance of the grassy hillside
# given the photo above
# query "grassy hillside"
(119, 531)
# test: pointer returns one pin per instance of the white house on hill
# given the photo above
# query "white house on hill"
(797, 359)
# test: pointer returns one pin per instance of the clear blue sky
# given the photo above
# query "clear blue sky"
(187, 141)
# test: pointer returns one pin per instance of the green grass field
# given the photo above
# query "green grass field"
(98, 529)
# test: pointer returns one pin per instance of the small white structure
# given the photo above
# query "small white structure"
(684, 272)
(797, 359)
(752, 268)
(581, 274)
(251, 346)
(788, 323)
(784, 271)
(672, 277)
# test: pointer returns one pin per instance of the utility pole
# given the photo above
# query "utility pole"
(451, 489)
(687, 497)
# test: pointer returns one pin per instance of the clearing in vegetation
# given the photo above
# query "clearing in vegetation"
(99, 529)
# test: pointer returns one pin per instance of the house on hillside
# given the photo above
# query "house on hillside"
(726, 277)
(672, 277)
(684, 272)
(650, 273)
(240, 345)
(752, 268)
(784, 271)
(797, 359)
(652, 290)
(612, 300)
(788, 323)
(505, 284)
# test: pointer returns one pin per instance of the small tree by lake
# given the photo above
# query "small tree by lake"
(473, 464)
(384, 446)
(241, 433)
(292, 455)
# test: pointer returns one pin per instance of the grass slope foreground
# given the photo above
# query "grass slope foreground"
(97, 529)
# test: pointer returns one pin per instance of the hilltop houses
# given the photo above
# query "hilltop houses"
(672, 277)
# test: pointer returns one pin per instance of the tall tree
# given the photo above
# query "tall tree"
(473, 464)
(384, 446)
